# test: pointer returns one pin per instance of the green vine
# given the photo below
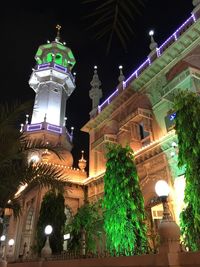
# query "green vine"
(123, 203)
(187, 106)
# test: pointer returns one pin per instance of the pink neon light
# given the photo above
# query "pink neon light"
(148, 61)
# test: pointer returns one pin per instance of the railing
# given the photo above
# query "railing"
(60, 68)
(159, 51)
(104, 138)
(45, 126)
(73, 255)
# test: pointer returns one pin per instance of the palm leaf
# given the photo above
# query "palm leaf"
(115, 15)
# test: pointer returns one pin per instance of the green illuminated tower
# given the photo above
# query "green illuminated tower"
(53, 83)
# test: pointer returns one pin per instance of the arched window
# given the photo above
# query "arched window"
(49, 57)
(29, 220)
(58, 59)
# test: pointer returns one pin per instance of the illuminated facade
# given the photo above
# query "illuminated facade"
(53, 83)
(138, 113)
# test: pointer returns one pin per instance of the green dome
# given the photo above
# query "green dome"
(55, 52)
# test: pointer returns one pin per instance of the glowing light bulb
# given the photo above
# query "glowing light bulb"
(48, 229)
(162, 188)
(151, 32)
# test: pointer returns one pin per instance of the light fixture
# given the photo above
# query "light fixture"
(162, 188)
(151, 32)
(2, 238)
(174, 144)
(34, 158)
(172, 154)
(46, 250)
(168, 230)
(11, 242)
(120, 67)
(48, 230)
(66, 236)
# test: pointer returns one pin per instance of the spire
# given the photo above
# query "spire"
(58, 27)
(95, 92)
(121, 75)
(82, 162)
(153, 45)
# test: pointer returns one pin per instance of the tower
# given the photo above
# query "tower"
(53, 83)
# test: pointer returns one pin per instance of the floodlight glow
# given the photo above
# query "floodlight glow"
(151, 32)
(3, 238)
(174, 144)
(120, 67)
(172, 154)
(34, 158)
(162, 188)
(66, 236)
(48, 229)
(95, 67)
(11, 242)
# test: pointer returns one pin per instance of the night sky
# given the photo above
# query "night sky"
(25, 26)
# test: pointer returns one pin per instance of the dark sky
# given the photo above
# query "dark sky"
(25, 26)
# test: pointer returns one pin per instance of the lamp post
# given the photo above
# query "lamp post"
(9, 253)
(3, 262)
(46, 250)
(168, 230)
(2, 247)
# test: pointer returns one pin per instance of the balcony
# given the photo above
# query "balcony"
(135, 117)
(104, 139)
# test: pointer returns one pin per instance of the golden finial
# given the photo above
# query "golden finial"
(58, 27)
(82, 162)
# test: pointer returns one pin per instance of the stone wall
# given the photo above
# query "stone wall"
(184, 259)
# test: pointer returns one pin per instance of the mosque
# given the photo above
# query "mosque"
(138, 113)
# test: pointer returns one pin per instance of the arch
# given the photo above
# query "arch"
(59, 59)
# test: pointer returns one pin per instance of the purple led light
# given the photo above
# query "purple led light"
(34, 127)
(108, 99)
(43, 66)
(148, 62)
(59, 67)
(54, 128)
(135, 73)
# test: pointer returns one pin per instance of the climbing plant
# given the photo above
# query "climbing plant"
(89, 219)
(123, 203)
(187, 106)
(51, 212)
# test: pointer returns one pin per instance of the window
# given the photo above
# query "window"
(143, 133)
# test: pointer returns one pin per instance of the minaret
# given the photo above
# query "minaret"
(82, 162)
(53, 83)
(121, 75)
(153, 45)
(95, 92)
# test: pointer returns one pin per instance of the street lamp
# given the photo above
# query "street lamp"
(66, 238)
(2, 247)
(162, 190)
(11, 243)
(46, 250)
(168, 230)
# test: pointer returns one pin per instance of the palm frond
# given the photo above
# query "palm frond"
(115, 15)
